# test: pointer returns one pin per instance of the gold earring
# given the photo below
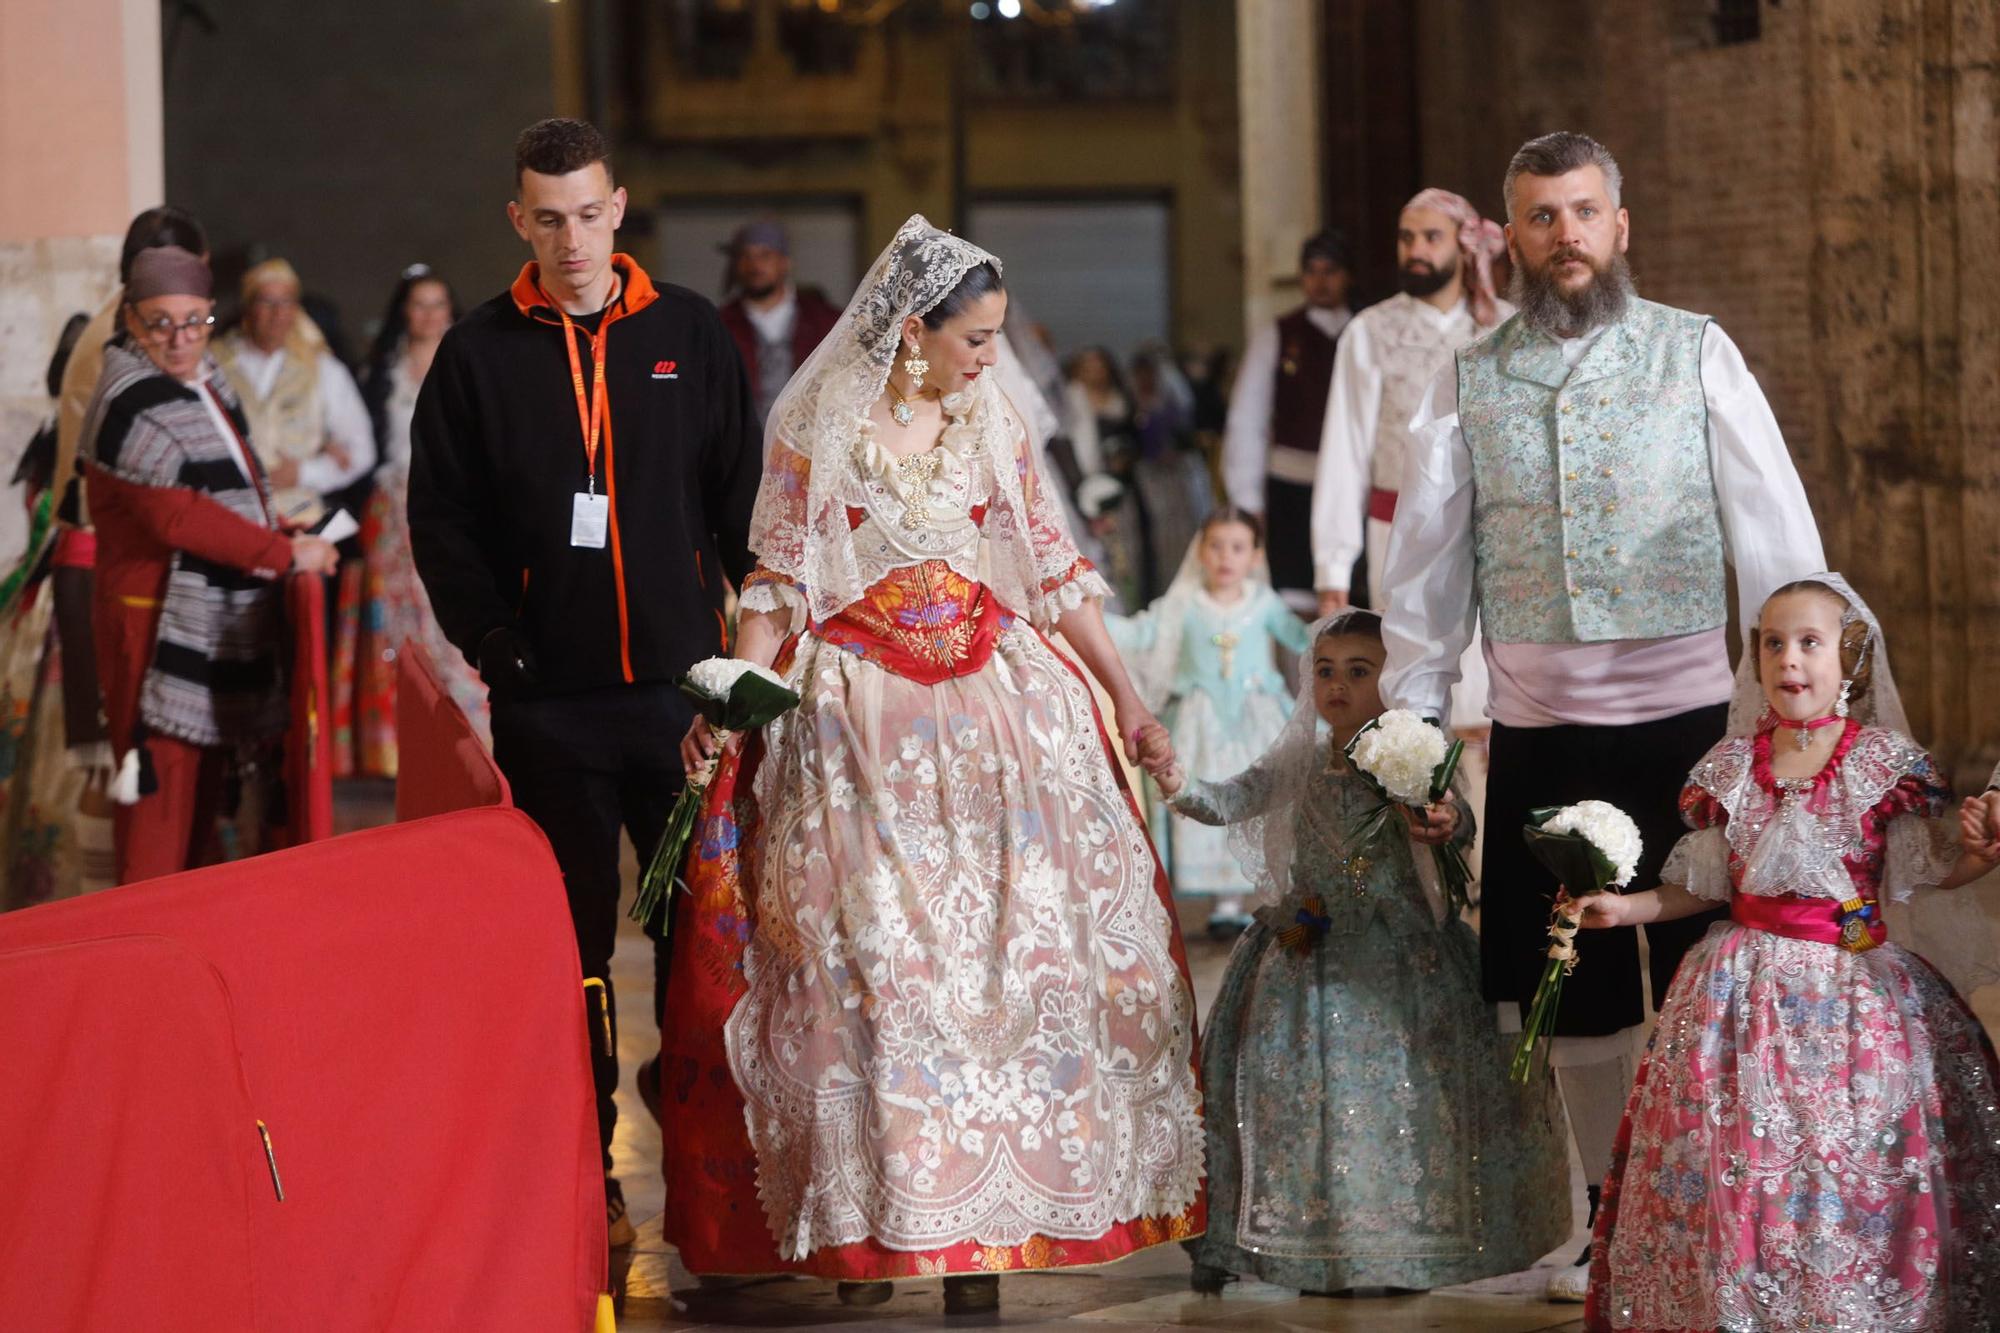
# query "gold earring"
(915, 366)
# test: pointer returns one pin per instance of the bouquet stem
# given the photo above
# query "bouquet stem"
(663, 871)
(1541, 1020)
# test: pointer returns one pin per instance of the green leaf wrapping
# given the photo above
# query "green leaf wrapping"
(752, 703)
(1572, 858)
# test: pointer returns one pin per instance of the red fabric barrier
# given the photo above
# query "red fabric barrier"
(309, 746)
(441, 764)
(142, 1096)
(409, 1015)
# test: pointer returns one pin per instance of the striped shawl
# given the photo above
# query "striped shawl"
(217, 674)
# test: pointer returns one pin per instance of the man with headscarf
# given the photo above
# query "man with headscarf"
(774, 324)
(189, 624)
(1270, 451)
(1386, 359)
(307, 420)
(1575, 483)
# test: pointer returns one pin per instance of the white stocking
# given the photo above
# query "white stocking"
(1595, 1075)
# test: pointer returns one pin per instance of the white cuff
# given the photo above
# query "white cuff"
(772, 597)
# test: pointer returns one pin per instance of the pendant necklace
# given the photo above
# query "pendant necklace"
(903, 411)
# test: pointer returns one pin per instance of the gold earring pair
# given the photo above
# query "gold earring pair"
(915, 366)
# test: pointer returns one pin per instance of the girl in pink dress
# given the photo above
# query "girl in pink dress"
(1813, 1140)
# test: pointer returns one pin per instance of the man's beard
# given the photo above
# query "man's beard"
(1571, 314)
(1426, 281)
(763, 291)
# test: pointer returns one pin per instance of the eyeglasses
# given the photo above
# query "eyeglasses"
(163, 330)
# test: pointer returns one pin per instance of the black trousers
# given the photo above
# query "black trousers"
(1288, 534)
(1641, 770)
(585, 766)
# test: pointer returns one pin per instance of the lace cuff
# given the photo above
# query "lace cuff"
(1949, 930)
(775, 596)
(1084, 585)
(1921, 851)
(1199, 801)
(1699, 863)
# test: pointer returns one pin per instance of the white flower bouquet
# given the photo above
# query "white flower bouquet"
(1589, 846)
(733, 695)
(1409, 762)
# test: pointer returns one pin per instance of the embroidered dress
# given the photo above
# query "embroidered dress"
(1362, 1129)
(1209, 670)
(1813, 1141)
(931, 1010)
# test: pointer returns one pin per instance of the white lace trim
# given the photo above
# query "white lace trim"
(1699, 863)
(1066, 597)
(774, 598)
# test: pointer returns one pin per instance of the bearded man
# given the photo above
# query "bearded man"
(1576, 482)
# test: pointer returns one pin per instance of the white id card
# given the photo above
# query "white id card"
(589, 520)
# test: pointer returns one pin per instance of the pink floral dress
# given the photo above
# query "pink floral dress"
(1813, 1140)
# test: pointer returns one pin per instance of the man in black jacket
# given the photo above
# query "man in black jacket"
(584, 459)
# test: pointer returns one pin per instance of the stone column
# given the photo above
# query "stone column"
(80, 150)
(1277, 66)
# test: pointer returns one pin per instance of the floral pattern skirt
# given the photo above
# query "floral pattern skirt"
(957, 1028)
(1362, 1129)
(1813, 1142)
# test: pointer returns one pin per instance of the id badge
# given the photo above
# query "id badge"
(589, 520)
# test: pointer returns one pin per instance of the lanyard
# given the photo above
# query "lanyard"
(589, 411)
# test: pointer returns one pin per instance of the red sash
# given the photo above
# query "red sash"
(923, 623)
(1855, 925)
(1382, 504)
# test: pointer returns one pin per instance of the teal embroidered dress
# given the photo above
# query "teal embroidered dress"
(1362, 1130)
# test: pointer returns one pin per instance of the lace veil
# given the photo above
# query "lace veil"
(1153, 671)
(819, 428)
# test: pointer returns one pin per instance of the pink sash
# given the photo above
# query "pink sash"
(1855, 925)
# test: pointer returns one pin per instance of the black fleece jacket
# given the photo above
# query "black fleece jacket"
(497, 456)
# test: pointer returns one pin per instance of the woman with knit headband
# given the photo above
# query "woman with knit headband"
(188, 615)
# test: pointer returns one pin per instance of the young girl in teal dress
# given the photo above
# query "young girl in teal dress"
(1362, 1128)
(1204, 659)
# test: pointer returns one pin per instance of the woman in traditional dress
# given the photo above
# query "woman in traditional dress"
(931, 1011)
(382, 602)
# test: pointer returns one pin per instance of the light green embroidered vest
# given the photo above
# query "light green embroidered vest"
(1594, 508)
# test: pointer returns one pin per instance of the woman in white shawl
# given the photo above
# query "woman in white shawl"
(928, 989)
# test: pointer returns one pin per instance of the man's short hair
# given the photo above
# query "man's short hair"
(1559, 154)
(1330, 244)
(558, 146)
(157, 228)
